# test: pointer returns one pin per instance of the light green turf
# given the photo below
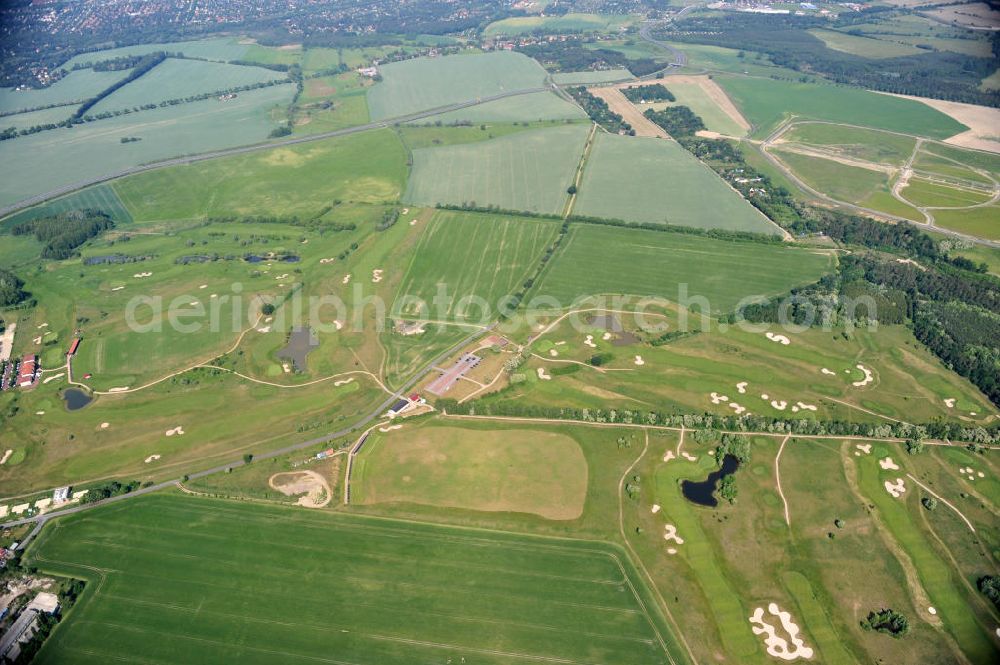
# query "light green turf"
(864, 144)
(484, 596)
(851, 184)
(65, 156)
(532, 107)
(981, 222)
(601, 259)
(527, 171)
(471, 256)
(766, 103)
(74, 87)
(428, 83)
(657, 181)
(177, 79)
(101, 197)
(571, 22)
(44, 117)
(296, 180)
(589, 78)
(865, 47)
(931, 194)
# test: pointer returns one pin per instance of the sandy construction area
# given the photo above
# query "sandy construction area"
(983, 123)
(317, 491)
(618, 103)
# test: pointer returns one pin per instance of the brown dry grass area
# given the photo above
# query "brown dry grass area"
(983, 123)
(711, 89)
(617, 102)
(319, 88)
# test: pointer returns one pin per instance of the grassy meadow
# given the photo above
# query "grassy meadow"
(572, 22)
(74, 87)
(656, 181)
(533, 107)
(854, 142)
(592, 77)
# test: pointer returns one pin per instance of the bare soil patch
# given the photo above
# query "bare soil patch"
(618, 103)
(314, 486)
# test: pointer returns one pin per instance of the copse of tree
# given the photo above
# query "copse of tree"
(62, 234)
(989, 586)
(600, 113)
(656, 92)
(11, 290)
(887, 621)
(678, 121)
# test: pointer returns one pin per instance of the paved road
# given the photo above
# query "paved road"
(191, 159)
(40, 520)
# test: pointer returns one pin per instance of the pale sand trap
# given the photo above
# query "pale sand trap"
(105, 425)
(203, 286)
(590, 342)
(780, 339)
(656, 508)
(896, 489)
(140, 275)
(343, 382)
(888, 465)
(43, 325)
(711, 453)
(828, 372)
(980, 474)
(339, 325)
(118, 288)
(269, 319)
(639, 361)
(214, 295)
(193, 303)
(717, 398)
(671, 550)
(983, 123)
(152, 458)
(118, 389)
(43, 503)
(950, 402)
(932, 610)
(606, 336)
(39, 413)
(389, 428)
(741, 387)
(37, 340)
(779, 404)
(553, 353)
(868, 377)
(689, 457)
(327, 260)
(347, 278)
(413, 222)
(377, 275)
(177, 430)
(286, 368)
(6, 456)
(54, 378)
(406, 211)
(765, 396)
(866, 448)
(669, 456)
(777, 646)
(560, 343)
(670, 533)
(737, 408)
(281, 277)
(264, 329)
(542, 375)
(806, 407)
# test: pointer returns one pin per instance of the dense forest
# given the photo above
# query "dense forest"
(656, 92)
(62, 234)
(11, 289)
(600, 113)
(572, 56)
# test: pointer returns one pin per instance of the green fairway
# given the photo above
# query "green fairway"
(598, 260)
(474, 259)
(390, 592)
(101, 197)
(591, 77)
(839, 181)
(571, 22)
(178, 79)
(659, 182)
(510, 470)
(295, 180)
(527, 171)
(864, 144)
(61, 157)
(926, 193)
(767, 103)
(74, 87)
(533, 107)
(981, 222)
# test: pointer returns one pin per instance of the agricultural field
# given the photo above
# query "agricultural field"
(533, 107)
(31, 119)
(74, 87)
(178, 79)
(219, 49)
(767, 104)
(330, 103)
(476, 259)
(981, 222)
(61, 157)
(865, 47)
(843, 182)
(421, 84)
(295, 180)
(592, 77)
(914, 30)
(540, 590)
(853, 142)
(596, 260)
(553, 24)
(697, 98)
(927, 193)
(100, 197)
(657, 181)
(526, 171)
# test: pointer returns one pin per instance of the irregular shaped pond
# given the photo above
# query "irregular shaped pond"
(703, 492)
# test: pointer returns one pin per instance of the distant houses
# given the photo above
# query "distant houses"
(26, 625)
(28, 373)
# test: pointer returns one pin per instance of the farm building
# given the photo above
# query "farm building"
(398, 407)
(74, 347)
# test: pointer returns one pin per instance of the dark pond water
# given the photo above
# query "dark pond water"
(300, 342)
(288, 258)
(76, 399)
(703, 492)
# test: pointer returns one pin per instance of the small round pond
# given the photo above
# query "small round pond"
(76, 399)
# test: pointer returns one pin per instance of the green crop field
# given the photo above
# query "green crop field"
(219, 49)
(510, 470)
(295, 180)
(767, 103)
(981, 222)
(592, 77)
(926, 193)
(481, 258)
(65, 156)
(486, 597)
(527, 171)
(177, 79)
(520, 25)
(533, 107)
(864, 144)
(428, 83)
(101, 197)
(657, 181)
(865, 47)
(598, 260)
(74, 87)
(842, 182)
(34, 118)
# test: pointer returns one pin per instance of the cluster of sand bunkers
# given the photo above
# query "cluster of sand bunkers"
(895, 488)
(142, 275)
(176, 431)
(970, 474)
(778, 646)
(377, 275)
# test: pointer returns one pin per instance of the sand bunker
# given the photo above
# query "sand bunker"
(43, 325)
(413, 222)
(780, 339)
(39, 413)
(656, 508)
(717, 398)
(105, 425)
(327, 260)
(866, 448)
(264, 329)
(828, 372)
(868, 377)
(639, 361)
(590, 342)
(689, 457)
(561, 343)
(389, 428)
(177, 430)
(888, 465)
(606, 336)
(281, 277)
(377, 276)
(542, 375)
(896, 489)
(118, 288)
(553, 353)
(668, 456)
(203, 286)
(970, 473)
(6, 456)
(670, 533)
(737, 408)
(339, 325)
(671, 550)
(777, 646)
(802, 406)
(347, 278)
(54, 378)
(343, 382)
(765, 396)
(152, 458)
(950, 402)
(310, 483)
(741, 387)
(779, 404)
(140, 275)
